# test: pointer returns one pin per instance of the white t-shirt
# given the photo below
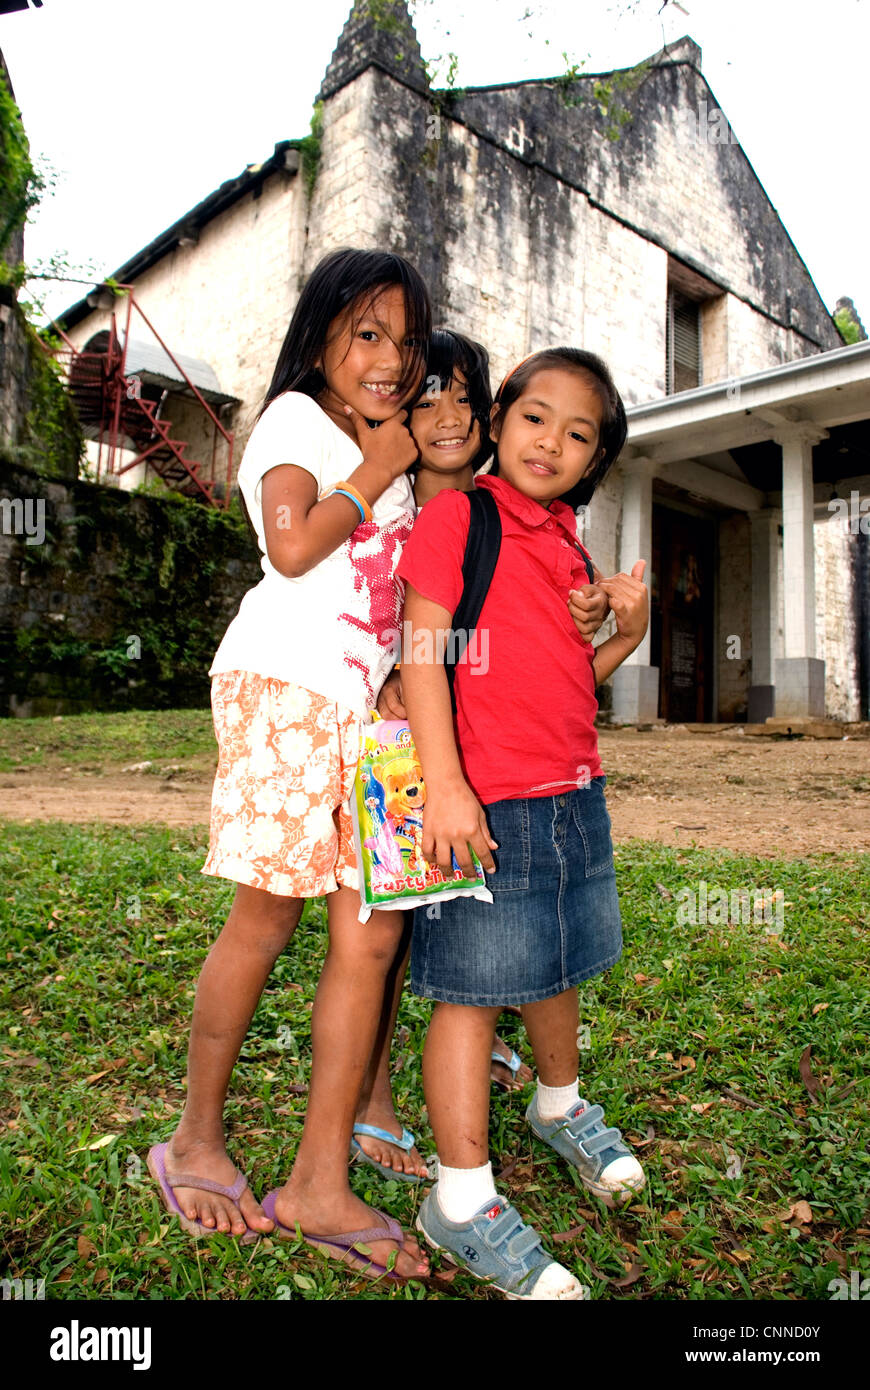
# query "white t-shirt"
(334, 630)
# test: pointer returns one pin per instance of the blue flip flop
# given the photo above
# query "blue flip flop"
(513, 1064)
(406, 1142)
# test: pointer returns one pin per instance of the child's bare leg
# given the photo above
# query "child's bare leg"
(227, 993)
(344, 1025)
(552, 1028)
(456, 1079)
(376, 1106)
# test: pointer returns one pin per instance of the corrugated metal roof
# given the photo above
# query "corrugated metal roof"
(150, 359)
(150, 362)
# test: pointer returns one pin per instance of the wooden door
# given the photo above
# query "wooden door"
(681, 635)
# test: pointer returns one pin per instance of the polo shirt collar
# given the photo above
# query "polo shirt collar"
(526, 509)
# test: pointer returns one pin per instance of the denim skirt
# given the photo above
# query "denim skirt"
(554, 918)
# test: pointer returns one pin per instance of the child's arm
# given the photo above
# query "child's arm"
(453, 818)
(390, 703)
(301, 531)
(629, 603)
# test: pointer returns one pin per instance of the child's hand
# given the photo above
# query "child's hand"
(629, 602)
(390, 704)
(390, 448)
(588, 607)
(453, 820)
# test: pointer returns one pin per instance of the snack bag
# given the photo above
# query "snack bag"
(387, 806)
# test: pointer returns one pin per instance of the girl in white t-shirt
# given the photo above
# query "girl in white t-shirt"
(295, 675)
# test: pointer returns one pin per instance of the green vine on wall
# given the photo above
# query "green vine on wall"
(20, 184)
(310, 148)
(610, 93)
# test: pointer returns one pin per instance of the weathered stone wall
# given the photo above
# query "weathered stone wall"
(836, 616)
(14, 371)
(530, 227)
(112, 601)
(14, 356)
(668, 177)
(347, 205)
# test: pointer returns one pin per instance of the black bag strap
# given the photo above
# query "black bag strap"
(590, 568)
(482, 548)
(478, 566)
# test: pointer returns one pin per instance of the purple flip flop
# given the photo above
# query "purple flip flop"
(157, 1168)
(343, 1242)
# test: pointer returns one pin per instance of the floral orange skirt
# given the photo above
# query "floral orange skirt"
(280, 811)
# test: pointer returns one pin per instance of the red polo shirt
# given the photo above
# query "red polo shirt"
(525, 698)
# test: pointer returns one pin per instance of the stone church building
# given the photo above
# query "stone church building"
(746, 473)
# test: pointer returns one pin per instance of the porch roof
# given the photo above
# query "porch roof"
(732, 426)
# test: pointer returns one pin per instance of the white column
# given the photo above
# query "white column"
(635, 682)
(800, 677)
(797, 541)
(636, 539)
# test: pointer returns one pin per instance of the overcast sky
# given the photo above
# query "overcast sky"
(142, 107)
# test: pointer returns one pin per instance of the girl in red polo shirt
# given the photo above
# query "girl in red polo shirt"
(518, 773)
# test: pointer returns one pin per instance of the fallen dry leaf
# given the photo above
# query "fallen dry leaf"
(561, 1237)
(799, 1212)
(818, 1008)
(100, 1143)
(112, 1066)
(810, 1081)
(85, 1247)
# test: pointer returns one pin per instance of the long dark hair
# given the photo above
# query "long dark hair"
(614, 427)
(341, 279)
(449, 353)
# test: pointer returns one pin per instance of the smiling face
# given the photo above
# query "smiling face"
(550, 437)
(443, 429)
(363, 358)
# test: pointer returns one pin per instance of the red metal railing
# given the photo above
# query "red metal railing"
(115, 407)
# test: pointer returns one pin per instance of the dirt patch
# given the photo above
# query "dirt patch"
(761, 796)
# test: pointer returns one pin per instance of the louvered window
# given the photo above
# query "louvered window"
(683, 343)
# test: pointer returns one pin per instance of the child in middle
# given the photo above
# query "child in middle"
(450, 425)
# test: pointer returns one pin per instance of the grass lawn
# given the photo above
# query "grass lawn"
(93, 741)
(756, 1187)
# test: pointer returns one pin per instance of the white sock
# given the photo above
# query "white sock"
(555, 1101)
(463, 1191)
